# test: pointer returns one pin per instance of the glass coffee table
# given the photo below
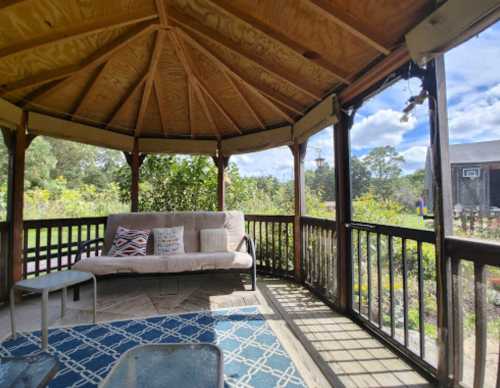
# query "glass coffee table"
(168, 365)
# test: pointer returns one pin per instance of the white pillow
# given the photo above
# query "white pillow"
(213, 240)
(168, 241)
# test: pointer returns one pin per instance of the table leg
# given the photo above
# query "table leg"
(13, 312)
(45, 328)
(94, 298)
(64, 298)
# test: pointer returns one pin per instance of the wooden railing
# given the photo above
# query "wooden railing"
(472, 262)
(273, 237)
(51, 245)
(319, 256)
(394, 287)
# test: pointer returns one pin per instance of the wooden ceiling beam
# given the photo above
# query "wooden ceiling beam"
(224, 67)
(190, 106)
(217, 38)
(88, 90)
(245, 101)
(155, 56)
(80, 31)
(350, 24)
(8, 3)
(159, 99)
(162, 12)
(126, 98)
(283, 40)
(183, 58)
(67, 72)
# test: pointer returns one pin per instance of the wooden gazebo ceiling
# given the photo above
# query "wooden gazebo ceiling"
(208, 69)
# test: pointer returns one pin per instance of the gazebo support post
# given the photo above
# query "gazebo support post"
(435, 84)
(343, 209)
(17, 142)
(134, 160)
(221, 162)
(299, 153)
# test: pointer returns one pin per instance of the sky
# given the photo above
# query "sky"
(473, 93)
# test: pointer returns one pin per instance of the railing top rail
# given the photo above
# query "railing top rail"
(480, 251)
(268, 217)
(316, 221)
(63, 221)
(427, 236)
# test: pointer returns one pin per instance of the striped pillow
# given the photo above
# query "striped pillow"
(129, 242)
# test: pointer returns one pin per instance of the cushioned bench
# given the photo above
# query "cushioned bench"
(240, 256)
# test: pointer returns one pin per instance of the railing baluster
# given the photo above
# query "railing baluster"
(481, 323)
(458, 328)
(26, 237)
(405, 290)
(421, 306)
(59, 248)
(266, 233)
(391, 284)
(88, 231)
(37, 251)
(379, 283)
(261, 245)
(359, 271)
(280, 239)
(369, 275)
(287, 262)
(70, 242)
(48, 260)
(273, 250)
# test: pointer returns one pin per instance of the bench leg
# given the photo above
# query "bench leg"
(254, 278)
(13, 312)
(64, 298)
(45, 323)
(76, 293)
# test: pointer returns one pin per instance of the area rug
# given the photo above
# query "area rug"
(253, 355)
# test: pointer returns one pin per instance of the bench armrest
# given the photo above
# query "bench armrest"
(85, 244)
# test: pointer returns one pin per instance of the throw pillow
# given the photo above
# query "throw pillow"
(169, 240)
(129, 242)
(213, 240)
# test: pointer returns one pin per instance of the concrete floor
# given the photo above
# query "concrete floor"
(327, 348)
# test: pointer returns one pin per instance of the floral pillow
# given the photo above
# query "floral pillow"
(168, 240)
(129, 242)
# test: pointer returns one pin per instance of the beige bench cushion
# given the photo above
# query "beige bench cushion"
(195, 261)
(193, 222)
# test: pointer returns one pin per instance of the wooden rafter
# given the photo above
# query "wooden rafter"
(190, 106)
(8, 3)
(282, 39)
(217, 38)
(348, 23)
(162, 12)
(159, 99)
(200, 84)
(67, 73)
(124, 101)
(223, 67)
(88, 90)
(79, 31)
(155, 56)
(245, 101)
(183, 58)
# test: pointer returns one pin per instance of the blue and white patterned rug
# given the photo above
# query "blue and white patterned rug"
(253, 355)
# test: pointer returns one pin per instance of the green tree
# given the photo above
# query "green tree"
(360, 178)
(384, 165)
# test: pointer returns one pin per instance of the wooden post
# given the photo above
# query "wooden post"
(221, 162)
(135, 159)
(343, 209)
(299, 153)
(435, 83)
(16, 142)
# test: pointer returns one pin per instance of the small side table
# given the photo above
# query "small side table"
(48, 283)
(168, 365)
(31, 371)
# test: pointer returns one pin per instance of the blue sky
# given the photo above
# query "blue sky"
(473, 90)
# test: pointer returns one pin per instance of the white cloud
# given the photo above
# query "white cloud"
(382, 128)
(414, 158)
(476, 118)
